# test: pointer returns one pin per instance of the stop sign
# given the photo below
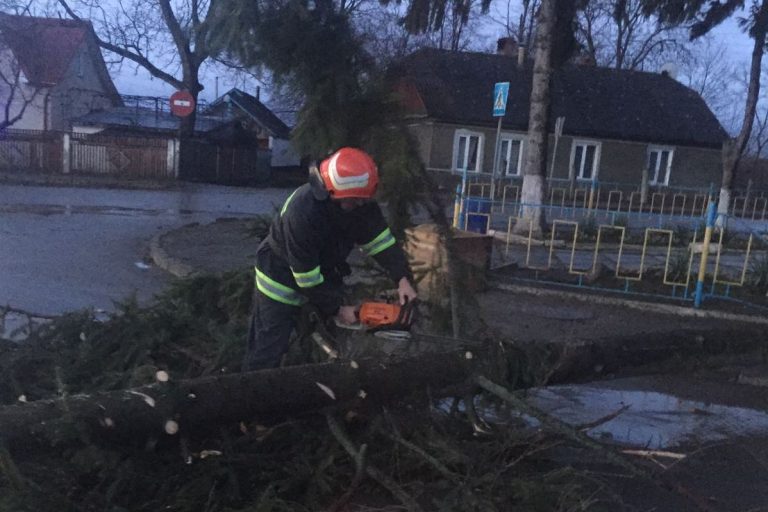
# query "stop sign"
(182, 103)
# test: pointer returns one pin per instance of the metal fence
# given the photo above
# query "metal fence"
(623, 197)
(655, 250)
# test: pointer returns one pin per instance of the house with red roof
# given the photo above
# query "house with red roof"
(60, 71)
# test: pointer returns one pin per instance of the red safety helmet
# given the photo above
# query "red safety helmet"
(349, 173)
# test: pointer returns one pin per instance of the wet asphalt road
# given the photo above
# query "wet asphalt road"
(63, 249)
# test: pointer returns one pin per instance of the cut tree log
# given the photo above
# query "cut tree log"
(184, 407)
(200, 405)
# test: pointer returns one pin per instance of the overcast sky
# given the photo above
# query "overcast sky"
(131, 81)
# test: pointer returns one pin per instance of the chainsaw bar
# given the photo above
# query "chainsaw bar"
(393, 335)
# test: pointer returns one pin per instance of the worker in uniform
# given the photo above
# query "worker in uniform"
(303, 259)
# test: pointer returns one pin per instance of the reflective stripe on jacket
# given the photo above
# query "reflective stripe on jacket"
(304, 256)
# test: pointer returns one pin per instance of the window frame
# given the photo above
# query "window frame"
(595, 162)
(512, 137)
(653, 179)
(458, 134)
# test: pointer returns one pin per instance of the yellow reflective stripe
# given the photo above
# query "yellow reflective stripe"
(385, 240)
(385, 244)
(384, 234)
(308, 279)
(285, 205)
(276, 291)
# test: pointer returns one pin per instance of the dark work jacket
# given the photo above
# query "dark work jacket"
(304, 256)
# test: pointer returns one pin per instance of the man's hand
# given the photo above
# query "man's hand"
(405, 291)
(347, 315)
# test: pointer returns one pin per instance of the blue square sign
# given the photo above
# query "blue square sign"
(500, 95)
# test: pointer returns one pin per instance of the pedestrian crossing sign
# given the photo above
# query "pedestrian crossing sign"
(500, 95)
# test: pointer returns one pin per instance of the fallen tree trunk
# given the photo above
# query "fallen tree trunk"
(184, 407)
(201, 404)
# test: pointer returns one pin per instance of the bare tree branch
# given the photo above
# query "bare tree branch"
(125, 52)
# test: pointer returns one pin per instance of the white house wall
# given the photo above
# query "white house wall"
(34, 115)
(78, 93)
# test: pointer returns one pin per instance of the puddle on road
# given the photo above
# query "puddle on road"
(654, 420)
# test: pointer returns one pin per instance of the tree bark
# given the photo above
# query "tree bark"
(536, 155)
(734, 149)
(135, 415)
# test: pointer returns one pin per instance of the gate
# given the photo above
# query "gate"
(127, 157)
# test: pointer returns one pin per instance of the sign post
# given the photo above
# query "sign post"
(500, 96)
(182, 103)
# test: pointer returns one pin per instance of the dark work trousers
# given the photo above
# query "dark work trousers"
(269, 332)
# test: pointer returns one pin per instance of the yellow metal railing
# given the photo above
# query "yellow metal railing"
(759, 200)
(699, 212)
(584, 198)
(611, 195)
(563, 193)
(675, 197)
(740, 282)
(656, 244)
(600, 229)
(505, 193)
(662, 197)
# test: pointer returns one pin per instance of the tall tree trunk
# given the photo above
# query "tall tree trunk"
(187, 125)
(536, 155)
(734, 148)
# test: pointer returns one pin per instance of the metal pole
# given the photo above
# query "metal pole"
(711, 215)
(463, 196)
(496, 156)
(457, 208)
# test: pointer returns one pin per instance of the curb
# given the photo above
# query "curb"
(668, 309)
(162, 259)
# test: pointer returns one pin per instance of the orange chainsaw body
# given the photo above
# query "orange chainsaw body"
(379, 314)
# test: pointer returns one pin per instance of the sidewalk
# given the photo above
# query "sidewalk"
(521, 313)
(221, 246)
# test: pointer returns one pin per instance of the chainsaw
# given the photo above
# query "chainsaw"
(384, 320)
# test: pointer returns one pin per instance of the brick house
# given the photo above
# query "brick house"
(617, 122)
(62, 70)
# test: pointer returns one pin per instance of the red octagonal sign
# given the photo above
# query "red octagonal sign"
(182, 103)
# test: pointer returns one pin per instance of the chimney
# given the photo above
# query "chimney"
(520, 56)
(506, 46)
(258, 92)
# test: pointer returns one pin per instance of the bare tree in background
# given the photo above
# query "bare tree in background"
(518, 19)
(707, 69)
(619, 34)
(704, 16)
(168, 38)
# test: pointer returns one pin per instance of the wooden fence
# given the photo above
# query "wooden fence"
(31, 151)
(128, 157)
(131, 157)
(213, 163)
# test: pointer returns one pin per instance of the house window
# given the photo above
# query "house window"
(467, 151)
(585, 158)
(511, 159)
(659, 164)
